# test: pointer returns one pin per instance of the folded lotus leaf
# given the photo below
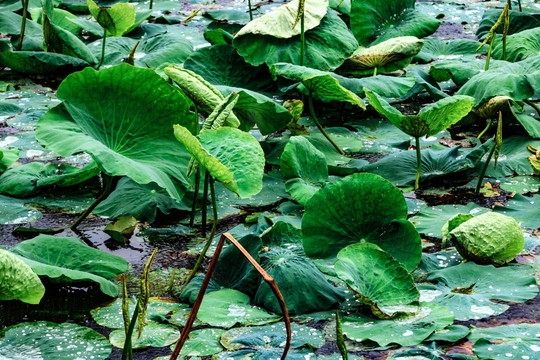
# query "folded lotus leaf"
(116, 19)
(18, 280)
(519, 46)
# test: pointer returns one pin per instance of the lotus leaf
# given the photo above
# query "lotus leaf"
(387, 56)
(279, 22)
(143, 202)
(467, 289)
(304, 169)
(271, 336)
(10, 23)
(155, 335)
(439, 260)
(519, 21)
(122, 116)
(435, 48)
(518, 341)
(13, 211)
(452, 333)
(377, 280)
(7, 157)
(520, 46)
(72, 261)
(357, 208)
(39, 62)
(221, 65)
(451, 225)
(373, 21)
(203, 342)
(47, 340)
(462, 70)
(59, 40)
(226, 308)
(519, 207)
(303, 286)
(265, 354)
(490, 238)
(18, 281)
(97, 30)
(116, 20)
(58, 17)
(32, 177)
(327, 45)
(405, 330)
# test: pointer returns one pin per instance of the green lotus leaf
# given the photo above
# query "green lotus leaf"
(18, 281)
(57, 17)
(462, 70)
(47, 340)
(373, 21)
(400, 168)
(154, 335)
(122, 116)
(31, 178)
(283, 234)
(143, 202)
(353, 209)
(519, 341)
(303, 286)
(13, 211)
(451, 225)
(405, 330)
(327, 45)
(95, 29)
(266, 354)
(203, 342)
(7, 158)
(232, 156)
(59, 40)
(519, 21)
(490, 238)
(516, 80)
(167, 48)
(387, 56)
(271, 336)
(255, 109)
(116, 19)
(304, 169)
(281, 22)
(452, 333)
(439, 260)
(39, 62)
(521, 184)
(72, 261)
(200, 91)
(467, 289)
(227, 307)
(218, 36)
(10, 24)
(523, 209)
(221, 65)
(435, 48)
(520, 46)
(431, 119)
(377, 280)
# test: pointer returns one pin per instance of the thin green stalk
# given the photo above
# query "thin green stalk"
(486, 129)
(195, 196)
(102, 49)
(23, 23)
(375, 71)
(533, 105)
(109, 185)
(205, 204)
(484, 168)
(486, 68)
(519, 4)
(127, 351)
(151, 4)
(418, 163)
(302, 41)
(340, 340)
(314, 117)
(250, 11)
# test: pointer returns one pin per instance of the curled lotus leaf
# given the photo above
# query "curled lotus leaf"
(279, 22)
(491, 108)
(490, 238)
(116, 19)
(18, 280)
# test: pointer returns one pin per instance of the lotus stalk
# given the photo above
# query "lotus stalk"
(505, 16)
(418, 163)
(23, 24)
(300, 16)
(494, 151)
(102, 49)
(250, 11)
(319, 126)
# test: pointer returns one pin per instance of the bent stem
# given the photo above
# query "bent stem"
(321, 129)
(267, 278)
(485, 129)
(102, 49)
(484, 168)
(418, 163)
(23, 23)
(109, 185)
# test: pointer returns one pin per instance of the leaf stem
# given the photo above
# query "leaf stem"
(321, 129)
(533, 105)
(102, 49)
(375, 71)
(485, 129)
(23, 24)
(484, 168)
(418, 163)
(302, 40)
(486, 68)
(127, 351)
(195, 196)
(250, 11)
(205, 204)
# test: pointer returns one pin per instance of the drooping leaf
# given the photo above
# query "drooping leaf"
(39, 62)
(18, 281)
(520, 46)
(116, 19)
(377, 280)
(122, 116)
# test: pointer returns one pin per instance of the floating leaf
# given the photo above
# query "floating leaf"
(13, 211)
(154, 335)
(203, 342)
(518, 341)
(523, 209)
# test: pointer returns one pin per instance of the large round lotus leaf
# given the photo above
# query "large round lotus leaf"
(304, 169)
(519, 46)
(32, 177)
(123, 117)
(405, 330)
(221, 65)
(387, 56)
(490, 238)
(202, 342)
(13, 211)
(72, 261)
(518, 341)
(18, 281)
(327, 46)
(377, 279)
(435, 48)
(373, 21)
(140, 201)
(303, 286)
(279, 22)
(155, 335)
(523, 209)
(516, 80)
(226, 308)
(44, 340)
(233, 157)
(348, 211)
(116, 19)
(269, 336)
(467, 289)
(39, 62)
